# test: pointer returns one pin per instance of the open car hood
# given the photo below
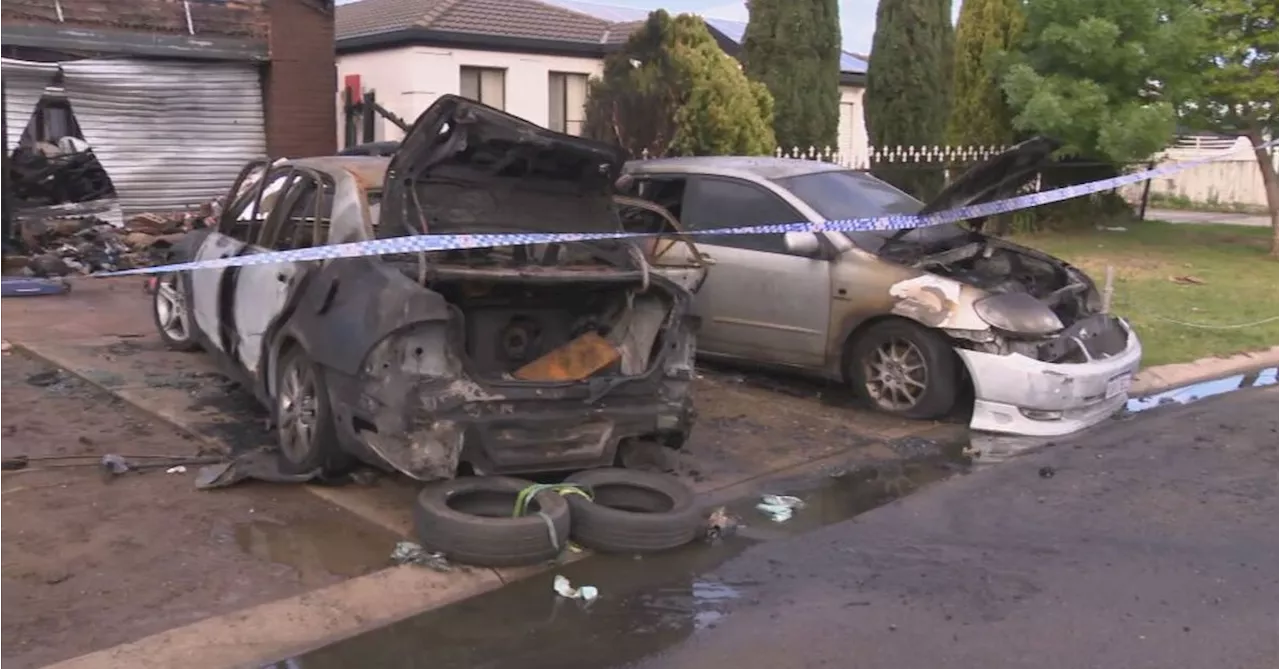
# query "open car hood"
(465, 167)
(997, 178)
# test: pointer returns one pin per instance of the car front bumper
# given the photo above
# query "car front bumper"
(1015, 394)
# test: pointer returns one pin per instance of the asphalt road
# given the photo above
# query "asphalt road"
(1151, 542)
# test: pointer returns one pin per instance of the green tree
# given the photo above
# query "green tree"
(1235, 87)
(793, 47)
(908, 84)
(1104, 76)
(671, 91)
(985, 34)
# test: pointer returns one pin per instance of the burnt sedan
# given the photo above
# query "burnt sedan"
(515, 359)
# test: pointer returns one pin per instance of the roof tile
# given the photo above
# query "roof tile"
(502, 18)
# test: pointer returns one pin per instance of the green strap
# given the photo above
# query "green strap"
(526, 495)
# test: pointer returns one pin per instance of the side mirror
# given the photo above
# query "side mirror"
(803, 244)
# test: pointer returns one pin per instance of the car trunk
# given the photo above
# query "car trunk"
(534, 312)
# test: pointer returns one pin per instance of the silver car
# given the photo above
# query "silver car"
(907, 318)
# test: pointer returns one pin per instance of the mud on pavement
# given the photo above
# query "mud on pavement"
(90, 562)
(157, 554)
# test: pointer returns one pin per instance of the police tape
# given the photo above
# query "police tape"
(431, 242)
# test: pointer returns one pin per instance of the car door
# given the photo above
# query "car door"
(253, 196)
(760, 301)
(261, 292)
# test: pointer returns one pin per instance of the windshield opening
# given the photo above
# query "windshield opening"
(845, 194)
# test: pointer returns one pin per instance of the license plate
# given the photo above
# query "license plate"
(1119, 385)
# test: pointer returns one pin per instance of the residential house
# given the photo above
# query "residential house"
(173, 96)
(529, 57)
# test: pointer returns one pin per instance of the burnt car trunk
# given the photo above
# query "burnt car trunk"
(540, 356)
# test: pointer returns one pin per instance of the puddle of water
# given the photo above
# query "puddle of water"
(317, 548)
(645, 605)
(1196, 391)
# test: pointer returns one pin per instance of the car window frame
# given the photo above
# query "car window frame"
(253, 226)
(693, 188)
(298, 181)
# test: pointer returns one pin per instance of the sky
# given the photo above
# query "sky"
(857, 17)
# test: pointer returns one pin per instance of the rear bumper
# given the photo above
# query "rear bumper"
(1015, 394)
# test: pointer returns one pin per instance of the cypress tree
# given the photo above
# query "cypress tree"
(908, 85)
(986, 31)
(793, 48)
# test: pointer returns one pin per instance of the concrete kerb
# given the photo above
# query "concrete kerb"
(1158, 379)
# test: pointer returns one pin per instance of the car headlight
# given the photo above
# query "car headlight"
(1017, 313)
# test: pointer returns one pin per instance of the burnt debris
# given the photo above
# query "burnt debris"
(82, 244)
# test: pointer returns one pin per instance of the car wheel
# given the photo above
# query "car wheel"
(471, 520)
(632, 511)
(169, 310)
(304, 419)
(904, 369)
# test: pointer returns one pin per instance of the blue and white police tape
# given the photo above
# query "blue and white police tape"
(423, 243)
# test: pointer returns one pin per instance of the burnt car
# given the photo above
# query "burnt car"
(908, 318)
(515, 359)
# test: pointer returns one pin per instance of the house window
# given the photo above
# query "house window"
(485, 85)
(568, 93)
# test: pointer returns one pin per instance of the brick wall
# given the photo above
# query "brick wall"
(301, 82)
(240, 18)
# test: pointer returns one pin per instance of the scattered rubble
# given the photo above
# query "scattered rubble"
(57, 246)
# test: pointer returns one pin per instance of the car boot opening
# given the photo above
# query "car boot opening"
(519, 330)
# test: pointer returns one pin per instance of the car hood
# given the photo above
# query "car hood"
(996, 178)
(465, 167)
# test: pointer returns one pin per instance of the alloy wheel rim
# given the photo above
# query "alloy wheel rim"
(896, 375)
(297, 406)
(171, 309)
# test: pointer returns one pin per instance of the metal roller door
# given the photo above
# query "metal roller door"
(24, 84)
(170, 134)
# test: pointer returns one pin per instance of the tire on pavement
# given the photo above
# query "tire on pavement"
(469, 520)
(632, 511)
(302, 400)
(917, 361)
(171, 315)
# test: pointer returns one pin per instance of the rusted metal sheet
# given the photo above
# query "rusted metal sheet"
(170, 134)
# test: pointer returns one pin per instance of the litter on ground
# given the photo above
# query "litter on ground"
(779, 508)
(565, 589)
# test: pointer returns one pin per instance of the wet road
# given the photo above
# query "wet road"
(1149, 542)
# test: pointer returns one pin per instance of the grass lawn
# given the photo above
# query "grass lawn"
(1240, 283)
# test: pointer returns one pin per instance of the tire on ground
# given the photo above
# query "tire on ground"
(469, 520)
(324, 452)
(941, 362)
(632, 511)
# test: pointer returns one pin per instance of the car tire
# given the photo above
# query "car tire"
(632, 511)
(470, 521)
(171, 315)
(922, 355)
(308, 440)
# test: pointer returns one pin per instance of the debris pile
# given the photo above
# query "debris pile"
(44, 174)
(56, 246)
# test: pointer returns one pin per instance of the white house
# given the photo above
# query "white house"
(531, 58)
